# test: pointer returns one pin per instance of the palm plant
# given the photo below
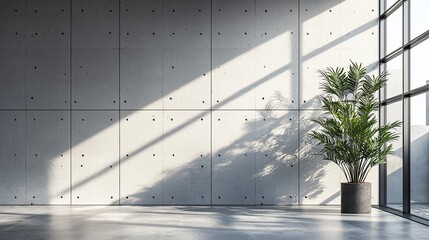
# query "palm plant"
(350, 136)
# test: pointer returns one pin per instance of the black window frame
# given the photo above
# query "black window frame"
(404, 97)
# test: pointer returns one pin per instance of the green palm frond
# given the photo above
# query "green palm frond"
(349, 135)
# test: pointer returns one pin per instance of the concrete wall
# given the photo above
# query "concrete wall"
(171, 102)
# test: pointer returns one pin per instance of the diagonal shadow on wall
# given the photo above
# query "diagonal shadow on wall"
(273, 144)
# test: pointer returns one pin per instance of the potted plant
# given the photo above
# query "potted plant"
(350, 135)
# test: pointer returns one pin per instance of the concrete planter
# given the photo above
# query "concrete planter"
(356, 197)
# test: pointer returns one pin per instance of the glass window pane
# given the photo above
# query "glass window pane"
(394, 82)
(419, 135)
(394, 162)
(389, 3)
(419, 64)
(419, 17)
(394, 31)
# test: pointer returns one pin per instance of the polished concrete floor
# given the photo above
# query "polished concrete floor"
(89, 222)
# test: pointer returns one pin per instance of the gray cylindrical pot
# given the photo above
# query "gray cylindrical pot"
(356, 197)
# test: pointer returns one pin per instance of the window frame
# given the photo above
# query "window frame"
(404, 97)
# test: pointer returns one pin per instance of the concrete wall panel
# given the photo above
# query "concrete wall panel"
(136, 32)
(234, 36)
(233, 24)
(141, 79)
(187, 24)
(276, 52)
(95, 24)
(187, 73)
(320, 25)
(361, 32)
(95, 81)
(277, 157)
(48, 157)
(48, 24)
(141, 157)
(233, 159)
(276, 17)
(359, 13)
(12, 23)
(95, 157)
(12, 78)
(12, 155)
(320, 38)
(276, 78)
(187, 157)
(233, 80)
(48, 79)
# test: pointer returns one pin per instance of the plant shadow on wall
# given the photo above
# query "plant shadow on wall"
(260, 167)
